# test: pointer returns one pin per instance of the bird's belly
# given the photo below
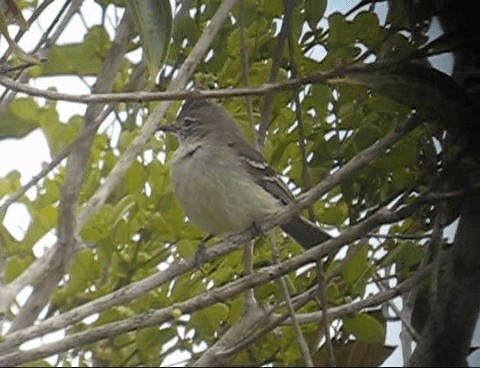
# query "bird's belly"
(217, 197)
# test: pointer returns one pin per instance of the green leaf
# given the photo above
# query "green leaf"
(319, 98)
(237, 308)
(58, 134)
(43, 220)
(314, 11)
(366, 26)
(153, 20)
(135, 178)
(10, 184)
(357, 270)
(15, 266)
(36, 363)
(20, 118)
(114, 314)
(339, 30)
(186, 287)
(84, 58)
(186, 28)
(98, 226)
(365, 328)
(147, 341)
(355, 354)
(209, 320)
(334, 215)
(82, 272)
(407, 255)
(268, 8)
(121, 209)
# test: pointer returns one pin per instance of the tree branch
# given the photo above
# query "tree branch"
(76, 164)
(172, 94)
(156, 317)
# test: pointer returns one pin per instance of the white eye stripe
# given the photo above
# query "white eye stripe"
(187, 120)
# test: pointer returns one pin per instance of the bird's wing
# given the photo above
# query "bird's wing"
(262, 172)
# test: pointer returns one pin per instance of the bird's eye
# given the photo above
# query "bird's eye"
(188, 121)
(188, 124)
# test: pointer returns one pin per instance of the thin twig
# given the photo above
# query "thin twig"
(400, 236)
(322, 295)
(21, 31)
(333, 76)
(306, 177)
(248, 250)
(245, 66)
(276, 62)
(291, 310)
(6, 96)
(436, 252)
(248, 266)
(395, 309)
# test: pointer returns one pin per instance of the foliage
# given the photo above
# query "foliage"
(128, 247)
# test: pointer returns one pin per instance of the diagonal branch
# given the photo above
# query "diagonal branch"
(75, 170)
(276, 62)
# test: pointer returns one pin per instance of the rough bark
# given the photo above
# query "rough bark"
(447, 334)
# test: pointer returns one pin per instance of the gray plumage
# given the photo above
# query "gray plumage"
(224, 183)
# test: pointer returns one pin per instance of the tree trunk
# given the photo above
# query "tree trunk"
(447, 334)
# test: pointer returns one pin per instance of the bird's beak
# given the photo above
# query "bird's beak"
(171, 128)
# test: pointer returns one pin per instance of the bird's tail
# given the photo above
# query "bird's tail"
(305, 232)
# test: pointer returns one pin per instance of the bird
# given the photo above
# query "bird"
(222, 181)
